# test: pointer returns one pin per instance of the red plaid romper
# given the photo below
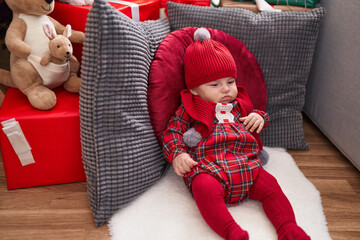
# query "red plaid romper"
(229, 152)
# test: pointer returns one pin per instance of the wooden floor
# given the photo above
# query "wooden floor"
(337, 180)
(62, 211)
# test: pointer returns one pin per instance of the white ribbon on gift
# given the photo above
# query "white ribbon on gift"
(18, 141)
(263, 6)
(135, 12)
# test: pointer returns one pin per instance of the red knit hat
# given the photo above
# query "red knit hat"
(207, 60)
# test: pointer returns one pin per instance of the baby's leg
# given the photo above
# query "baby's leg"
(209, 197)
(277, 207)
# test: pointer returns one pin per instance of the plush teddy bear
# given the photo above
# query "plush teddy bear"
(77, 2)
(27, 43)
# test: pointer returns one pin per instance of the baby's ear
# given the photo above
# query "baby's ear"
(193, 91)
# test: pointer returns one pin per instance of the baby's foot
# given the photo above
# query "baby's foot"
(291, 231)
(238, 234)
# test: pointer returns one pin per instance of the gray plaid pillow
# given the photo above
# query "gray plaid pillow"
(121, 155)
(283, 44)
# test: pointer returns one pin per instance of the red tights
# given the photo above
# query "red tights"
(209, 197)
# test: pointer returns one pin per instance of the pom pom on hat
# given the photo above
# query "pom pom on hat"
(207, 60)
(201, 34)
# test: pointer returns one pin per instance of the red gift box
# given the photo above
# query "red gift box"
(193, 2)
(163, 9)
(54, 138)
(76, 15)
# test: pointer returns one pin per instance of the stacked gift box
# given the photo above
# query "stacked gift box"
(284, 5)
(139, 10)
(300, 3)
(40, 147)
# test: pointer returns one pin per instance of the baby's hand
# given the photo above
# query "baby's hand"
(183, 164)
(253, 121)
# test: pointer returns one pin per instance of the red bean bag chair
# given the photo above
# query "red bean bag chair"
(166, 77)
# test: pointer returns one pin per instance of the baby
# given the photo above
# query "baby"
(213, 143)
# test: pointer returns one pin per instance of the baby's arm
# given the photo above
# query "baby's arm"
(255, 121)
(183, 163)
(173, 146)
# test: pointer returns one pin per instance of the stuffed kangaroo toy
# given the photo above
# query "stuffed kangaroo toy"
(59, 55)
(27, 44)
(60, 48)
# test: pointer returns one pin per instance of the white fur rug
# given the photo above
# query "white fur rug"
(168, 212)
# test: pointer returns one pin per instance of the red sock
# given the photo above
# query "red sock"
(277, 207)
(209, 197)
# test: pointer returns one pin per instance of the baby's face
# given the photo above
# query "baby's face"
(222, 90)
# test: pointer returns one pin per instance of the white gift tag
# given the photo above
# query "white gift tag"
(18, 141)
